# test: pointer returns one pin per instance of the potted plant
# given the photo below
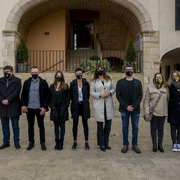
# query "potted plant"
(22, 56)
(130, 55)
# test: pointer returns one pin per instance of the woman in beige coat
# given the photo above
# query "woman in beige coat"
(160, 111)
(102, 89)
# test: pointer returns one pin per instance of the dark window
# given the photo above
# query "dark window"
(167, 72)
(177, 67)
(177, 6)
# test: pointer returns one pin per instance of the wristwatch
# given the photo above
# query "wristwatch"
(7, 101)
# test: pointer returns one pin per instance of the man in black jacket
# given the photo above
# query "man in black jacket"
(10, 87)
(79, 95)
(34, 102)
(129, 95)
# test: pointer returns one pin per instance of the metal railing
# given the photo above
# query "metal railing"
(68, 60)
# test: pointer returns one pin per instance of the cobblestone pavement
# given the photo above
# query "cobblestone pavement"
(88, 165)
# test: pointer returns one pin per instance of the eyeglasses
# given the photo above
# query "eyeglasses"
(129, 69)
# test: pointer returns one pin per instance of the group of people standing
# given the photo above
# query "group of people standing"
(37, 97)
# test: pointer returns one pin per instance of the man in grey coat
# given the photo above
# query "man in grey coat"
(10, 106)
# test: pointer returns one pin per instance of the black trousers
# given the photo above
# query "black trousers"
(175, 133)
(103, 132)
(84, 122)
(31, 119)
(157, 124)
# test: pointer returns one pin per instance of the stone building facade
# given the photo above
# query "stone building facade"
(150, 22)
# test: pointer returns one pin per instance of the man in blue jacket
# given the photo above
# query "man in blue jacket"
(10, 87)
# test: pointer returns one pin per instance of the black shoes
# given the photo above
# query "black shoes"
(136, 149)
(124, 149)
(59, 144)
(17, 145)
(43, 146)
(31, 145)
(160, 148)
(4, 146)
(154, 148)
(74, 146)
(108, 147)
(87, 146)
(103, 148)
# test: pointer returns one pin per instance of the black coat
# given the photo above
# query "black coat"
(11, 93)
(59, 107)
(74, 99)
(43, 92)
(123, 95)
(174, 106)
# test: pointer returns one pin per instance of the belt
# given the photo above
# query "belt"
(80, 102)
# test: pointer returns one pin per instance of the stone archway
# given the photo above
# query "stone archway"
(131, 12)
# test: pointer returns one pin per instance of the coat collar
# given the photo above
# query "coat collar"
(152, 88)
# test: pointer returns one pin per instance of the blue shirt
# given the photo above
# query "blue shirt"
(34, 98)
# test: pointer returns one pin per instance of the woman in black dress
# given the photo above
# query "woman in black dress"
(59, 103)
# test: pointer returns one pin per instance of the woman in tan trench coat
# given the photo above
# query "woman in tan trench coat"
(102, 89)
(160, 111)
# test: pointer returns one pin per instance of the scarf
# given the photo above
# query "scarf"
(176, 84)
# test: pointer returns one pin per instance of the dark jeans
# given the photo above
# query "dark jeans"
(175, 133)
(60, 125)
(157, 124)
(103, 133)
(125, 127)
(6, 129)
(40, 119)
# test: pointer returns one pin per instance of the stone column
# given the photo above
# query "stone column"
(151, 55)
(11, 40)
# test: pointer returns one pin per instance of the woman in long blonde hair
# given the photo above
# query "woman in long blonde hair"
(59, 103)
(174, 108)
(157, 87)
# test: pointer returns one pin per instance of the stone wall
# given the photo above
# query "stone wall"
(70, 76)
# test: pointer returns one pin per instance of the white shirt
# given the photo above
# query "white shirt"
(80, 95)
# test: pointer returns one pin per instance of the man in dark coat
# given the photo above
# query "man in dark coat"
(10, 87)
(34, 102)
(79, 95)
(129, 95)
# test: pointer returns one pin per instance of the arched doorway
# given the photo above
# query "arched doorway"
(169, 62)
(131, 13)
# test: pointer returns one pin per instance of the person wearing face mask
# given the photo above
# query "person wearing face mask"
(129, 94)
(59, 103)
(174, 109)
(102, 90)
(79, 95)
(10, 87)
(157, 95)
(34, 102)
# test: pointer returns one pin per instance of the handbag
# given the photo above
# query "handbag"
(151, 109)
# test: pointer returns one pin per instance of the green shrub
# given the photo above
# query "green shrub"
(94, 57)
(130, 53)
(90, 65)
(22, 51)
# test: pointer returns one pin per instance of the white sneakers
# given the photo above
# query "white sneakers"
(176, 147)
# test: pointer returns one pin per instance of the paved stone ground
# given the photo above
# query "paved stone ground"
(88, 165)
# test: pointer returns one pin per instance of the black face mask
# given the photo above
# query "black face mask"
(34, 76)
(100, 73)
(129, 73)
(79, 76)
(7, 75)
(59, 79)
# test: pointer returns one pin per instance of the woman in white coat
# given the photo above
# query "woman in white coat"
(102, 89)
